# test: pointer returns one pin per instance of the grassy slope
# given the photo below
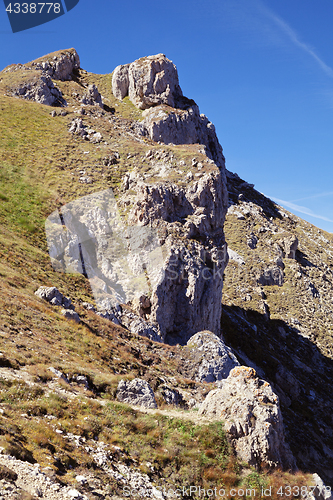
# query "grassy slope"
(37, 159)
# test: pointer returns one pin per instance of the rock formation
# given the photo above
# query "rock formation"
(211, 360)
(61, 66)
(137, 392)
(152, 85)
(149, 81)
(252, 418)
(42, 90)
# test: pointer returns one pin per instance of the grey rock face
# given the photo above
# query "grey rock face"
(61, 67)
(171, 396)
(252, 417)
(120, 81)
(183, 126)
(186, 300)
(137, 392)
(149, 81)
(92, 97)
(41, 90)
(56, 298)
(213, 360)
(152, 85)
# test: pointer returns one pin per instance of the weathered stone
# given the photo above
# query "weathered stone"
(289, 246)
(171, 396)
(233, 255)
(271, 276)
(92, 97)
(61, 67)
(72, 315)
(252, 241)
(120, 81)
(56, 298)
(211, 360)
(252, 418)
(183, 126)
(41, 90)
(137, 392)
(149, 81)
(77, 127)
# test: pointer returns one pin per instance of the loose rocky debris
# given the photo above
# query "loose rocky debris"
(271, 276)
(92, 97)
(252, 417)
(31, 480)
(77, 127)
(137, 392)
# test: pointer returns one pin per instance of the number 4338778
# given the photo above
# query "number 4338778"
(34, 8)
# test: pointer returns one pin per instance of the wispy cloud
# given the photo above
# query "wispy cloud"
(300, 209)
(295, 39)
(319, 195)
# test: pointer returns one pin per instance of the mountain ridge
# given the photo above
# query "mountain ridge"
(111, 163)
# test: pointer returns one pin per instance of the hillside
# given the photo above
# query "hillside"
(65, 136)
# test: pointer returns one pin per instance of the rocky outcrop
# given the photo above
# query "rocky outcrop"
(183, 126)
(71, 315)
(273, 275)
(152, 85)
(56, 298)
(289, 245)
(149, 81)
(137, 392)
(41, 90)
(61, 66)
(211, 360)
(92, 97)
(252, 418)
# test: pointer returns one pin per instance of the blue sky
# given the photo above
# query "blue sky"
(261, 70)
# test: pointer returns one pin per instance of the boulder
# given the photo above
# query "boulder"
(120, 81)
(171, 396)
(92, 97)
(211, 360)
(137, 392)
(54, 297)
(252, 419)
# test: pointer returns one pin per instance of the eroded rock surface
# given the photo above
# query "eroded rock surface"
(137, 392)
(92, 97)
(152, 84)
(252, 416)
(211, 359)
(41, 90)
(149, 81)
(62, 66)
